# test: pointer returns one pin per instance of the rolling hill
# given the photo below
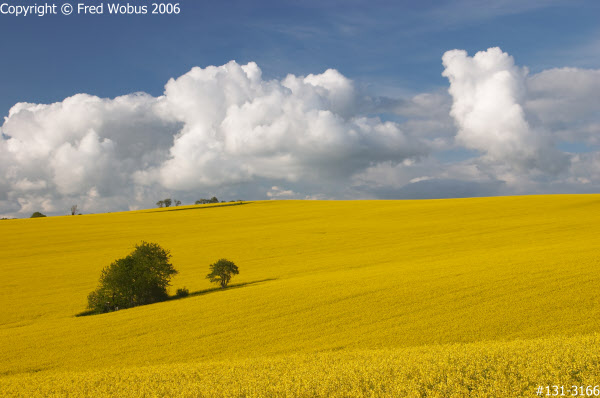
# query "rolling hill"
(452, 297)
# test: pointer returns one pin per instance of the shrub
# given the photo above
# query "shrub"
(140, 278)
(37, 214)
(182, 292)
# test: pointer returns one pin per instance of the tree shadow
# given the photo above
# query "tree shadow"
(87, 313)
(218, 289)
(192, 294)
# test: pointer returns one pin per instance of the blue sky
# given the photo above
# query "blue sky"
(392, 46)
(346, 100)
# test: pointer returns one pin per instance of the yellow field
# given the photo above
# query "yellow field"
(492, 296)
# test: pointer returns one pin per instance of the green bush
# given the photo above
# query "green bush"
(182, 292)
(37, 214)
(140, 278)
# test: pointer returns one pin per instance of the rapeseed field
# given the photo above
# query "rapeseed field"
(457, 297)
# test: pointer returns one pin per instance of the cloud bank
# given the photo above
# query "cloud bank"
(226, 131)
(213, 128)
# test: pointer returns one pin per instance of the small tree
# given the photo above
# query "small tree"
(167, 202)
(140, 278)
(214, 200)
(73, 210)
(178, 203)
(222, 272)
(37, 214)
(160, 203)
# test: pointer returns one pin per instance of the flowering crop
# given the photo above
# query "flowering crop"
(407, 298)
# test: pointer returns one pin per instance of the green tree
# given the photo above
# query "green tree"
(222, 272)
(160, 203)
(140, 278)
(167, 202)
(37, 214)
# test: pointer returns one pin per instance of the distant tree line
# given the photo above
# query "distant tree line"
(168, 202)
(161, 203)
(164, 202)
(207, 201)
(74, 212)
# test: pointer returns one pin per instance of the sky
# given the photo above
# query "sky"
(305, 99)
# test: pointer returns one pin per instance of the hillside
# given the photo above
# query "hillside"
(318, 279)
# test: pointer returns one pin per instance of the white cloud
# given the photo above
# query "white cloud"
(53, 155)
(280, 193)
(225, 131)
(418, 179)
(213, 127)
(237, 127)
(489, 90)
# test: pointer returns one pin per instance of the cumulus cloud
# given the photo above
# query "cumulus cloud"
(213, 127)
(226, 131)
(488, 92)
(237, 126)
(82, 150)
(515, 122)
